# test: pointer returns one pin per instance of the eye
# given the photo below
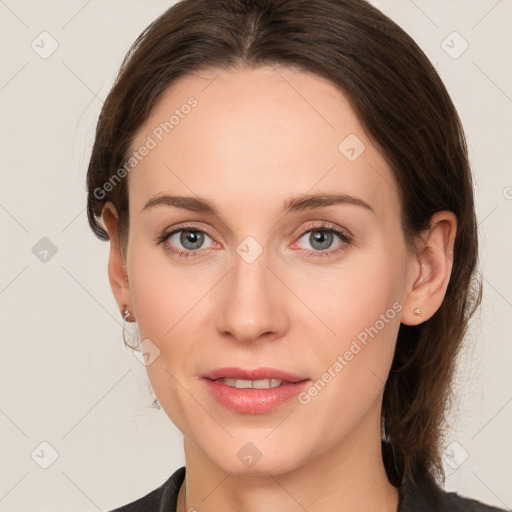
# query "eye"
(321, 239)
(185, 241)
(189, 241)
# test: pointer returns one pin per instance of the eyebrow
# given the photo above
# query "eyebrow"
(299, 203)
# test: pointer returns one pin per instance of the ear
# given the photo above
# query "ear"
(116, 266)
(431, 269)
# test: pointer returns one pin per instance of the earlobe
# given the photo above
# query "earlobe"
(431, 269)
(118, 276)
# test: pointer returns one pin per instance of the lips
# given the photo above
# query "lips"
(253, 374)
(231, 387)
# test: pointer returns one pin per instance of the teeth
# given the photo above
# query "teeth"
(256, 384)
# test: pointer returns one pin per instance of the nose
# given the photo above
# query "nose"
(253, 302)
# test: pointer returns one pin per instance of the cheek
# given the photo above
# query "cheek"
(164, 304)
(352, 367)
(366, 324)
(169, 302)
(361, 308)
(351, 297)
(161, 293)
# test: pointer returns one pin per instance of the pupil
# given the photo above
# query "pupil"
(191, 239)
(324, 238)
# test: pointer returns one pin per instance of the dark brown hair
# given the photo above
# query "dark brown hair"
(408, 114)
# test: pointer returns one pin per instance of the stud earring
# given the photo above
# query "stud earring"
(128, 317)
(417, 312)
(127, 314)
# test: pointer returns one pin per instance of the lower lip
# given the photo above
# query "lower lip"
(254, 401)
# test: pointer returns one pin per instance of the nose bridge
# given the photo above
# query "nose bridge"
(251, 304)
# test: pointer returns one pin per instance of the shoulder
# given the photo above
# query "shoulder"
(423, 494)
(457, 503)
(162, 498)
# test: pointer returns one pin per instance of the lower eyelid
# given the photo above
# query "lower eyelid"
(344, 238)
(177, 231)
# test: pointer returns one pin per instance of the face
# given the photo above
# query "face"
(266, 279)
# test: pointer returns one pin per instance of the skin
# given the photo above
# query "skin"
(257, 138)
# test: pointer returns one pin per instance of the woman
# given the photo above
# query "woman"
(287, 194)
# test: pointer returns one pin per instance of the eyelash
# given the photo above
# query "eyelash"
(319, 226)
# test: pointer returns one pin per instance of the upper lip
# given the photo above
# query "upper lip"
(252, 374)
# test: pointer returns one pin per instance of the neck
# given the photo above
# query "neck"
(350, 477)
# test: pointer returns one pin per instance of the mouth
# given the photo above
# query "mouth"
(253, 391)
(253, 384)
(257, 378)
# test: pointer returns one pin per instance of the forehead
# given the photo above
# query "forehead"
(257, 135)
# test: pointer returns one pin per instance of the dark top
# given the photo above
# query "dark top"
(422, 496)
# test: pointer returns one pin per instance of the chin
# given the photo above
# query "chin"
(246, 455)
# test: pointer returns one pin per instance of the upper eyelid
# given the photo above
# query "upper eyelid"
(327, 226)
(187, 227)
(319, 225)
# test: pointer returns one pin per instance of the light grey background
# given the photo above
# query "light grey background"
(66, 378)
